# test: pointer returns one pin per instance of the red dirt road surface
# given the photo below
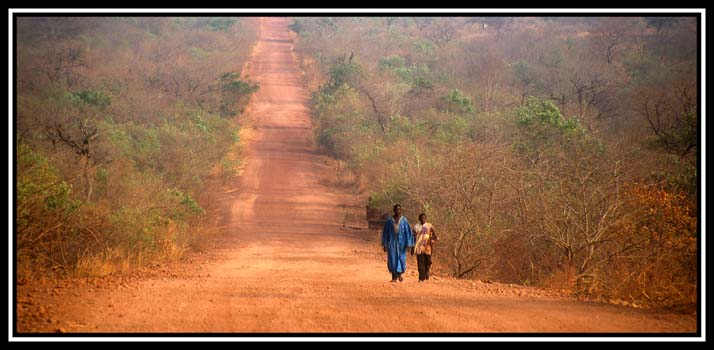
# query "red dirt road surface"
(295, 259)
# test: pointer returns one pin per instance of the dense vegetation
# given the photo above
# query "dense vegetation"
(547, 151)
(120, 122)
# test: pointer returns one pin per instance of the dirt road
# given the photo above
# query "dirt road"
(295, 262)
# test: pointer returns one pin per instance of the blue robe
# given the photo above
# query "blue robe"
(397, 243)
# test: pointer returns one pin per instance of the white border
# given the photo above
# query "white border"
(366, 10)
(702, 216)
(10, 180)
(703, 176)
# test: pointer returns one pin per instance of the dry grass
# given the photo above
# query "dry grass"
(337, 174)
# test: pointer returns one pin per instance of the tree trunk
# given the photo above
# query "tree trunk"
(86, 174)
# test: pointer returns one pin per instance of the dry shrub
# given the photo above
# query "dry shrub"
(655, 262)
(337, 173)
(528, 261)
(151, 87)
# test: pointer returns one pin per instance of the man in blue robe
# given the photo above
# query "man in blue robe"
(396, 239)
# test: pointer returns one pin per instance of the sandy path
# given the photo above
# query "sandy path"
(291, 263)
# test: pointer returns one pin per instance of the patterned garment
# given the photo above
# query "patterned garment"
(424, 236)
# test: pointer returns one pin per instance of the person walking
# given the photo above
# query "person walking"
(396, 239)
(424, 236)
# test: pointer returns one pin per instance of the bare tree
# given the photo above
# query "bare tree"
(62, 60)
(610, 36)
(573, 199)
(78, 133)
(442, 32)
(464, 201)
(673, 120)
(590, 93)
